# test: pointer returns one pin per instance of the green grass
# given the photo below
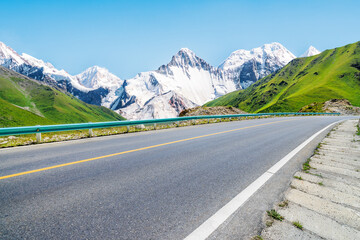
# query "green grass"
(303, 82)
(25, 102)
(298, 225)
(274, 214)
(306, 166)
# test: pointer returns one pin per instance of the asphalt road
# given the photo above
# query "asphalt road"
(162, 192)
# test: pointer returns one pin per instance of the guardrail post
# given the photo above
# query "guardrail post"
(177, 124)
(193, 122)
(91, 134)
(229, 119)
(127, 128)
(154, 126)
(220, 119)
(38, 136)
(208, 120)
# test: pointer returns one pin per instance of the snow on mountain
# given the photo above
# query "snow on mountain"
(165, 105)
(47, 67)
(8, 57)
(310, 52)
(186, 81)
(246, 67)
(95, 77)
(36, 68)
(100, 78)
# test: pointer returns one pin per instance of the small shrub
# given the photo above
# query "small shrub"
(297, 177)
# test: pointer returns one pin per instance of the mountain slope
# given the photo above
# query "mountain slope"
(332, 74)
(24, 101)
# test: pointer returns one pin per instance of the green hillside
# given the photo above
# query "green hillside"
(332, 74)
(25, 102)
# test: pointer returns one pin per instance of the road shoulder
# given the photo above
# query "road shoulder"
(323, 200)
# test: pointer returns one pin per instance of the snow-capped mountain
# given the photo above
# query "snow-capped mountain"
(246, 67)
(95, 77)
(36, 68)
(310, 52)
(95, 85)
(100, 78)
(186, 81)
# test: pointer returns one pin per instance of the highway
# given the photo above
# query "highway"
(150, 185)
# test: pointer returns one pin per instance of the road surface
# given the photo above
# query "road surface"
(149, 185)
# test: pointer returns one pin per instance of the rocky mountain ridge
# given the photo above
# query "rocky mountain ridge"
(186, 81)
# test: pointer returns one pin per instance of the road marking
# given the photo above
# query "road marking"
(211, 224)
(134, 150)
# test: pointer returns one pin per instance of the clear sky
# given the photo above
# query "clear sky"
(128, 37)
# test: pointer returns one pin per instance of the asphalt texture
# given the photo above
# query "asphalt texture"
(164, 192)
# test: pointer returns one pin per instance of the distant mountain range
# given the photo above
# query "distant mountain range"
(186, 81)
(303, 84)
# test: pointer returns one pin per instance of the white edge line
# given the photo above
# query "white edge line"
(211, 224)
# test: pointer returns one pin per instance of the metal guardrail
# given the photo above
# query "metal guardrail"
(79, 126)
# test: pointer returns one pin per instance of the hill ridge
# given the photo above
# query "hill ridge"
(334, 73)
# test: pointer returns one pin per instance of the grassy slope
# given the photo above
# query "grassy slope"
(332, 74)
(25, 102)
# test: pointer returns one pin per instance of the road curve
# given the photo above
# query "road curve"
(148, 185)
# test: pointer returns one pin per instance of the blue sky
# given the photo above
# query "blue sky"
(129, 37)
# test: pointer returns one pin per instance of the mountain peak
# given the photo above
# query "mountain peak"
(185, 57)
(7, 53)
(95, 77)
(274, 52)
(310, 52)
(96, 68)
(186, 51)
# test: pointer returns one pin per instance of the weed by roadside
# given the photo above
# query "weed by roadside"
(318, 175)
(284, 203)
(275, 215)
(257, 237)
(298, 225)
(306, 166)
(297, 177)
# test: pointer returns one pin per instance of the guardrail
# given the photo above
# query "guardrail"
(79, 126)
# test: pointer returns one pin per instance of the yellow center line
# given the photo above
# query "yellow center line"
(134, 150)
